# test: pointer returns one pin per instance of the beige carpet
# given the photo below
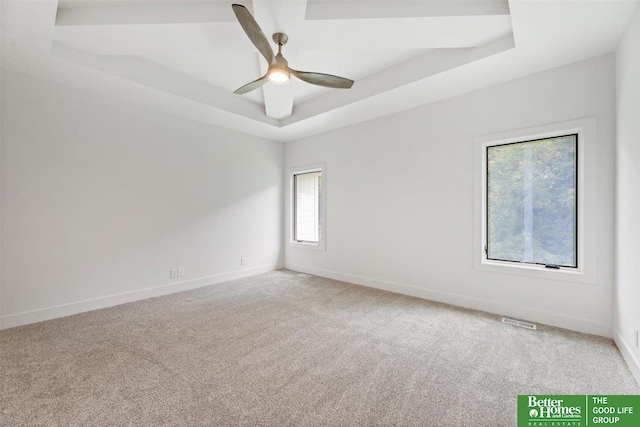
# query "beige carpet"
(279, 349)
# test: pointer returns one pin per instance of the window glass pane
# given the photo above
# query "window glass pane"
(531, 201)
(308, 199)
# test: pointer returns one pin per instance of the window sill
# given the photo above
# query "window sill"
(565, 274)
(308, 245)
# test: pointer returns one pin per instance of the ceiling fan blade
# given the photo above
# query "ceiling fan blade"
(320, 79)
(251, 86)
(255, 34)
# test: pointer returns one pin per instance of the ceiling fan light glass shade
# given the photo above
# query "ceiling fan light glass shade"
(279, 76)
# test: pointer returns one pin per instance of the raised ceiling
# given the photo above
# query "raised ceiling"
(187, 57)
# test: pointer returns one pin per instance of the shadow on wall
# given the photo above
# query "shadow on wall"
(102, 197)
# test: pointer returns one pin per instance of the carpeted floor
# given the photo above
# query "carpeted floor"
(279, 349)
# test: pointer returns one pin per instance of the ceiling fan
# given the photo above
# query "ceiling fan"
(279, 71)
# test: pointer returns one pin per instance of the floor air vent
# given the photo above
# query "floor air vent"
(303, 275)
(518, 323)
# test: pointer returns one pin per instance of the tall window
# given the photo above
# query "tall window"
(307, 207)
(531, 202)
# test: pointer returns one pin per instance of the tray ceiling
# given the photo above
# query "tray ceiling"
(186, 57)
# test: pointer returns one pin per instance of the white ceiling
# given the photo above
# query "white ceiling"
(186, 57)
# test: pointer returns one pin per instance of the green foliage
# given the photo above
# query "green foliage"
(532, 201)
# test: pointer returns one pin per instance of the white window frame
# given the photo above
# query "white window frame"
(321, 245)
(586, 129)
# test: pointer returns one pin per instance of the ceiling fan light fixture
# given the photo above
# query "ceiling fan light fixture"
(279, 76)
(279, 71)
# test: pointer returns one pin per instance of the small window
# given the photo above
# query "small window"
(531, 202)
(307, 207)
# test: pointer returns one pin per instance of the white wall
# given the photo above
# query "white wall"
(400, 196)
(101, 198)
(627, 292)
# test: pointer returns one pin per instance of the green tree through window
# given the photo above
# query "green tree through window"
(531, 201)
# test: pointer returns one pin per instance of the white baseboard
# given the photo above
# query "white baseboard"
(18, 319)
(627, 355)
(536, 316)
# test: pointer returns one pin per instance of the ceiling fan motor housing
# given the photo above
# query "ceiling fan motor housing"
(280, 63)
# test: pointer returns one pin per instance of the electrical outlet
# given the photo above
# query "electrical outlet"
(380, 271)
(243, 261)
(636, 336)
(181, 272)
(173, 272)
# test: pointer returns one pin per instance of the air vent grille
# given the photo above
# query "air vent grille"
(514, 322)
